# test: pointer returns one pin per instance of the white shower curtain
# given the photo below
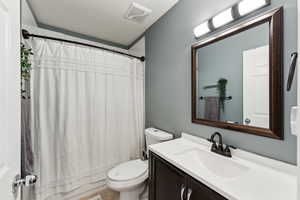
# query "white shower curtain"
(87, 110)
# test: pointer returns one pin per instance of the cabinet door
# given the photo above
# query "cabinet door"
(199, 191)
(166, 182)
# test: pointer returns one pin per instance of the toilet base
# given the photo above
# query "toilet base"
(130, 195)
(133, 193)
(135, 187)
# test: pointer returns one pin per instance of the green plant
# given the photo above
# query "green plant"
(222, 92)
(25, 66)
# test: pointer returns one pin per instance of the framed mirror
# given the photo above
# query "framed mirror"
(237, 77)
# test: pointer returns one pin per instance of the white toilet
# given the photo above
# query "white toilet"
(129, 178)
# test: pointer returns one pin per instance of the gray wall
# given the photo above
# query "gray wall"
(224, 59)
(168, 76)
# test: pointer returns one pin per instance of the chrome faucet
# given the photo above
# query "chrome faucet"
(219, 148)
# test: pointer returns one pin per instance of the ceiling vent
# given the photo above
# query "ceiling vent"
(137, 13)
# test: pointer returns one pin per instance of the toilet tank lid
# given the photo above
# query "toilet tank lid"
(158, 134)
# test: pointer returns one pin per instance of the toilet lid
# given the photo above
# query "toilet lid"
(129, 170)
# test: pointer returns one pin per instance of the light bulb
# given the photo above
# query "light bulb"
(222, 18)
(247, 6)
(201, 29)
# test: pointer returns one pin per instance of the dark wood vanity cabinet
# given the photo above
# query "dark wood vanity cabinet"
(166, 182)
(202, 192)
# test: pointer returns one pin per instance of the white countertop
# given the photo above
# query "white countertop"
(267, 179)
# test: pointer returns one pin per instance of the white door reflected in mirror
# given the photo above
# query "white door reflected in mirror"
(256, 76)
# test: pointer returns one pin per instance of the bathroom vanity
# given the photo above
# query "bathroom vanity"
(169, 182)
(186, 169)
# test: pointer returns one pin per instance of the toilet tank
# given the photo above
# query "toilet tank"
(154, 136)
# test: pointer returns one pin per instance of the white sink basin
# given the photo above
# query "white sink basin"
(219, 165)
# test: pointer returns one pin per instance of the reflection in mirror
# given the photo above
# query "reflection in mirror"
(233, 79)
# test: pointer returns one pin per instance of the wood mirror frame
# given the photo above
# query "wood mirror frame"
(275, 20)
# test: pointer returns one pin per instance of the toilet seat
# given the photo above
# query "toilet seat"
(127, 175)
(128, 171)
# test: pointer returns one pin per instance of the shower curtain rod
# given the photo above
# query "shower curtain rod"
(27, 35)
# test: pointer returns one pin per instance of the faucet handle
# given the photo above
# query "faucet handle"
(227, 149)
(230, 146)
(210, 140)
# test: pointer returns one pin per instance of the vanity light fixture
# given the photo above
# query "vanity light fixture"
(247, 6)
(222, 18)
(201, 29)
(235, 12)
